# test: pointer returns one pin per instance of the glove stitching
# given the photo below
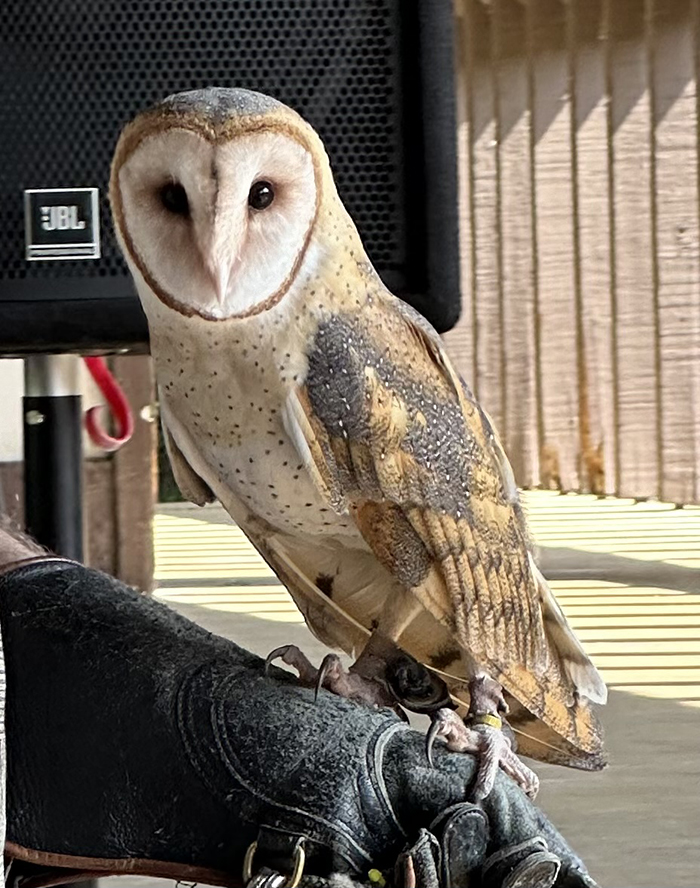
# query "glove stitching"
(376, 761)
(193, 757)
(229, 758)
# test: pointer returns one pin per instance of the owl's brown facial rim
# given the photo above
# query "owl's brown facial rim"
(216, 219)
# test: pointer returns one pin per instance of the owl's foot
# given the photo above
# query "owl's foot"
(489, 745)
(483, 737)
(333, 676)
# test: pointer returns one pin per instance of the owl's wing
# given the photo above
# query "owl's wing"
(393, 437)
(192, 487)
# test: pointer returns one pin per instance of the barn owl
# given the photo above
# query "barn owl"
(325, 416)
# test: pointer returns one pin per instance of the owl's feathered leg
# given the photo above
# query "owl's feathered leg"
(481, 734)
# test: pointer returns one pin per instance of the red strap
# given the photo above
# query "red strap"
(118, 404)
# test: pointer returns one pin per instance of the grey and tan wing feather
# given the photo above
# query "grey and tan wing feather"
(395, 437)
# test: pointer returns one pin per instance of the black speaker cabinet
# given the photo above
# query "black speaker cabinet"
(375, 77)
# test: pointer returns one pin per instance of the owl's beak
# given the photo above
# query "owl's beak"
(221, 284)
(220, 275)
(219, 259)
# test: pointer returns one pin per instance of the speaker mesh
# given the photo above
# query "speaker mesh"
(74, 72)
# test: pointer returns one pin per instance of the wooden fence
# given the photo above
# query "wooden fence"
(580, 333)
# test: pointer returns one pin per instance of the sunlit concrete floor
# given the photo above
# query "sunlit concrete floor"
(628, 576)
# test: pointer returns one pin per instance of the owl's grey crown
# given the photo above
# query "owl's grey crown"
(219, 103)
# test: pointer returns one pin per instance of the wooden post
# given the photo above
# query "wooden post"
(673, 88)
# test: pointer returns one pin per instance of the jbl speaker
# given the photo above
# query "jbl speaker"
(374, 77)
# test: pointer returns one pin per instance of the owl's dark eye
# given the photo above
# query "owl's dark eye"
(261, 195)
(174, 198)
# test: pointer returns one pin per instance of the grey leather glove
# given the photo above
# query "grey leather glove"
(138, 742)
(356, 784)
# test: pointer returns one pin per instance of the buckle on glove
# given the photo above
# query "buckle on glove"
(529, 864)
(267, 878)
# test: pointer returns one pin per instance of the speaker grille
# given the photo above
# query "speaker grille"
(74, 72)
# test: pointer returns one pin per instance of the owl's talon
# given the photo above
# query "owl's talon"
(434, 731)
(294, 657)
(330, 670)
(277, 654)
(319, 683)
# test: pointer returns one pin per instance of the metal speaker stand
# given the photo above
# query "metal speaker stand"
(53, 453)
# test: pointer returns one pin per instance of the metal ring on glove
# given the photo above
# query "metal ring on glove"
(297, 872)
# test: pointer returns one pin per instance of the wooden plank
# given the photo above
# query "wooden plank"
(695, 24)
(611, 663)
(671, 636)
(633, 251)
(99, 520)
(556, 308)
(135, 476)
(637, 677)
(681, 692)
(12, 491)
(519, 430)
(590, 145)
(483, 134)
(460, 340)
(677, 239)
(621, 621)
(636, 648)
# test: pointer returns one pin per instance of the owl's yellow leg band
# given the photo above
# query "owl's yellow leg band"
(493, 721)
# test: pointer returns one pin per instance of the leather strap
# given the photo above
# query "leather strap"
(419, 865)
(59, 866)
(447, 852)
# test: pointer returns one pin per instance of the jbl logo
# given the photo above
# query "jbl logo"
(61, 219)
(61, 223)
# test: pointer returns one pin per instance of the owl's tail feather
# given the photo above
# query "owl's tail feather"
(575, 661)
(538, 741)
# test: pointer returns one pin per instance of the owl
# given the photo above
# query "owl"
(325, 416)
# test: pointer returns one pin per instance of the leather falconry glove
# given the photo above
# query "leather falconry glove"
(140, 743)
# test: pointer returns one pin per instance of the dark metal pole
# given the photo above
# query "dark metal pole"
(53, 453)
